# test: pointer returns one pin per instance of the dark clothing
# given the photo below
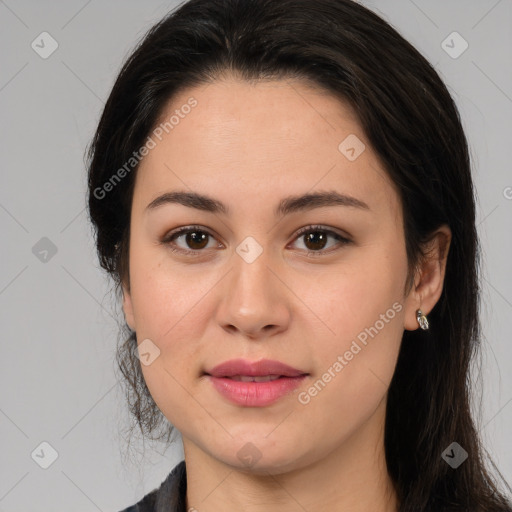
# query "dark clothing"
(169, 497)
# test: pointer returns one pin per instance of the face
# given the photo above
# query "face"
(317, 285)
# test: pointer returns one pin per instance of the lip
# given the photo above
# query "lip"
(253, 368)
(254, 394)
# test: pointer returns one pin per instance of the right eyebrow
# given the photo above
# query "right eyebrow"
(190, 199)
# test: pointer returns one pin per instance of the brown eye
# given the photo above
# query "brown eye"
(315, 239)
(195, 240)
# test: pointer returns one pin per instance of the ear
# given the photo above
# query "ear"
(128, 307)
(429, 278)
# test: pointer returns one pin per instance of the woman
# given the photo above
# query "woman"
(281, 190)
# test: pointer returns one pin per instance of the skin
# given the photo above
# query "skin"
(250, 145)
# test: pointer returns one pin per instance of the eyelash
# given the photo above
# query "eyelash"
(169, 238)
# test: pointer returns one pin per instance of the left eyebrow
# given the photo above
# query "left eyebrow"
(317, 200)
(286, 206)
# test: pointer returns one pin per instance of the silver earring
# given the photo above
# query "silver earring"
(422, 320)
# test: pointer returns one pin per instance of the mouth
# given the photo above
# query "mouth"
(254, 384)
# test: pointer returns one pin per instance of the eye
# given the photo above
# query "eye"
(316, 237)
(196, 239)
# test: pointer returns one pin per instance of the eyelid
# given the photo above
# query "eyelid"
(325, 229)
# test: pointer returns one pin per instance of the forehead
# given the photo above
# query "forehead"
(260, 141)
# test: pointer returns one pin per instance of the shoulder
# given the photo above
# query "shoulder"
(146, 504)
(170, 496)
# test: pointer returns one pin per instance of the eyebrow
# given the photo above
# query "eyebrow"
(286, 206)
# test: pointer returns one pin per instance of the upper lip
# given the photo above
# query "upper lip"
(244, 367)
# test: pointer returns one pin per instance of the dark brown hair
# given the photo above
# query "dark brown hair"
(410, 119)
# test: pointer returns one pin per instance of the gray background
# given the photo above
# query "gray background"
(58, 319)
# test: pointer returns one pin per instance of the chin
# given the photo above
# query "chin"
(261, 457)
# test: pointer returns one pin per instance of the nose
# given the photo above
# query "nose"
(255, 300)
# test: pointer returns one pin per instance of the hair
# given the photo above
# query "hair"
(412, 123)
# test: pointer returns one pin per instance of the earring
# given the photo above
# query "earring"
(422, 320)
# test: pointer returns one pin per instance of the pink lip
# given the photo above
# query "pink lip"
(254, 394)
(253, 368)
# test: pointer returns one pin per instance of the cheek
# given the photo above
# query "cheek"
(172, 308)
(363, 316)
(172, 312)
(162, 296)
(354, 370)
(353, 295)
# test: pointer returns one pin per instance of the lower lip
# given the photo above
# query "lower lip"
(255, 394)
